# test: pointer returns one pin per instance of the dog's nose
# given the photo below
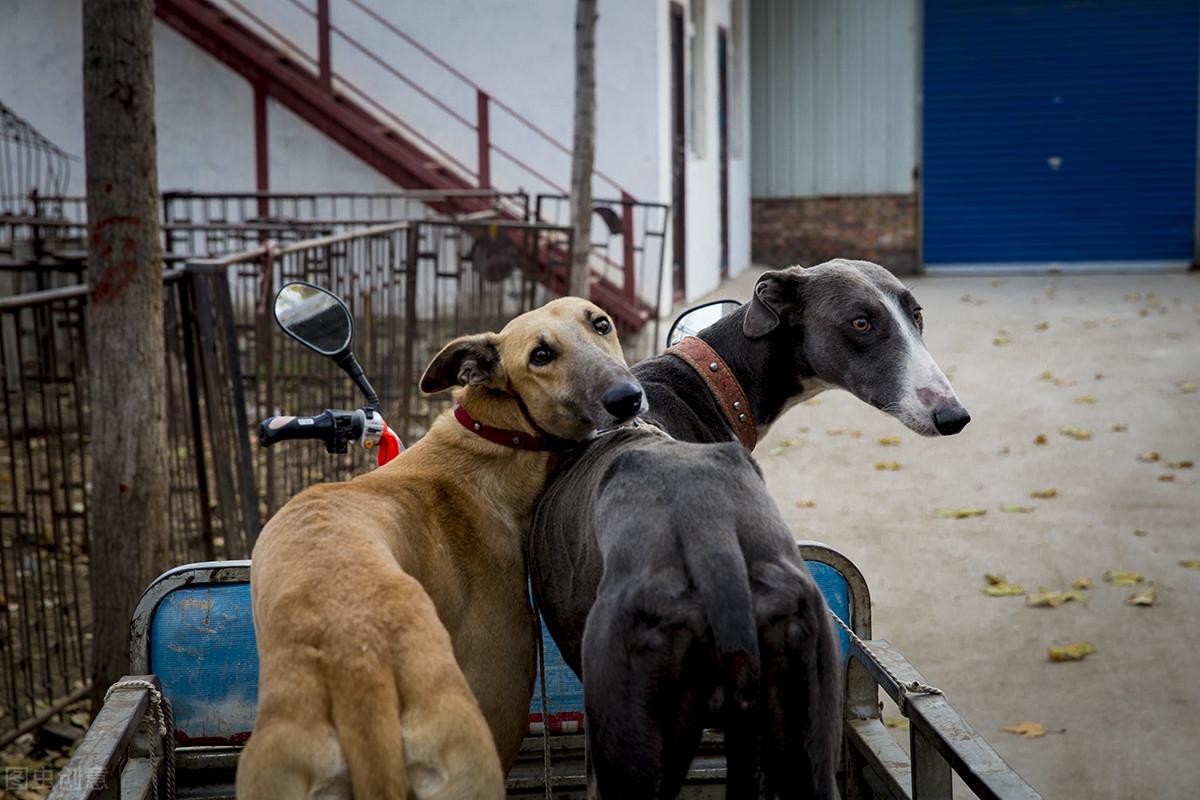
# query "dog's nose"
(950, 419)
(623, 400)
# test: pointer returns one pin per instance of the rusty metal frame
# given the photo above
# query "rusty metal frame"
(115, 757)
(941, 742)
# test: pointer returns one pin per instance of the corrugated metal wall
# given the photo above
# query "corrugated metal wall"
(833, 97)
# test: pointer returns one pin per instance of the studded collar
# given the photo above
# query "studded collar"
(725, 388)
(519, 440)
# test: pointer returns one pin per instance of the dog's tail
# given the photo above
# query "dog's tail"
(718, 570)
(366, 716)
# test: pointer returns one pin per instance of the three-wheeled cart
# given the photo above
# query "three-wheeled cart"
(175, 728)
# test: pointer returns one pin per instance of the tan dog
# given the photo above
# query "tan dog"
(369, 596)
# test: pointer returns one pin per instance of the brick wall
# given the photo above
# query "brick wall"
(809, 230)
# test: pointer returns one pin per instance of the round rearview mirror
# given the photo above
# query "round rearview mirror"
(697, 318)
(314, 317)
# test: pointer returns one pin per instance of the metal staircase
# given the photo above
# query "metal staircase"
(308, 85)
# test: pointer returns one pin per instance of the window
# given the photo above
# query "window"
(696, 71)
(735, 56)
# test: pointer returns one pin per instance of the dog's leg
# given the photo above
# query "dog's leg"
(646, 695)
(801, 698)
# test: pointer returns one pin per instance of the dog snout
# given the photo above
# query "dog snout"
(623, 401)
(950, 419)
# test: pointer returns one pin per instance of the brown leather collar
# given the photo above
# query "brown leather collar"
(725, 388)
(519, 440)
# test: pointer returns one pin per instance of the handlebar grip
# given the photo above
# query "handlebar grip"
(279, 429)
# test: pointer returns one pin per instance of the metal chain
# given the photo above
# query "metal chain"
(541, 652)
(904, 689)
(169, 721)
(541, 666)
(163, 723)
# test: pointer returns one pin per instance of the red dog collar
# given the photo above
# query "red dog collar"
(519, 440)
(725, 388)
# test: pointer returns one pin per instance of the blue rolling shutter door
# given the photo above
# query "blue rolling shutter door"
(1059, 130)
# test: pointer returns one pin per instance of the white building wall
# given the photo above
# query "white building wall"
(703, 199)
(519, 51)
(834, 97)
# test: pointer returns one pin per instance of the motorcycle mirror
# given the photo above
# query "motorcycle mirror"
(314, 317)
(697, 318)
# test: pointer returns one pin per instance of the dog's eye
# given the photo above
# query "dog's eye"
(602, 325)
(918, 318)
(541, 356)
(862, 324)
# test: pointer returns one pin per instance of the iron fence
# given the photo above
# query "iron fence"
(335, 212)
(411, 286)
(46, 468)
(628, 244)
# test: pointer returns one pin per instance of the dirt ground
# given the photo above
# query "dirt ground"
(1119, 351)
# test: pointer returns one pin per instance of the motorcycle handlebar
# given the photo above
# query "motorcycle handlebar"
(333, 428)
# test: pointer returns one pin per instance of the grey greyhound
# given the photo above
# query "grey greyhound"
(665, 571)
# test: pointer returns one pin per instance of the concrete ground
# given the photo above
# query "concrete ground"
(1120, 353)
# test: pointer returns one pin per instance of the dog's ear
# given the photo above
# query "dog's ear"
(776, 297)
(465, 361)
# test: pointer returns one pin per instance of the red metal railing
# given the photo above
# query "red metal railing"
(324, 70)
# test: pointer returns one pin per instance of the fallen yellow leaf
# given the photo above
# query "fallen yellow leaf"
(1143, 598)
(1029, 730)
(1050, 599)
(1001, 341)
(835, 431)
(1140, 532)
(1081, 583)
(1076, 433)
(887, 466)
(1187, 388)
(1039, 439)
(1012, 508)
(896, 722)
(1180, 464)
(1149, 456)
(997, 586)
(775, 451)
(1041, 326)
(890, 441)
(1086, 399)
(806, 504)
(1120, 427)
(1046, 376)
(1166, 477)
(1123, 578)
(1191, 563)
(1044, 494)
(959, 513)
(1071, 652)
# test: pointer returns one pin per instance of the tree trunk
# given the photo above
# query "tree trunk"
(126, 352)
(585, 146)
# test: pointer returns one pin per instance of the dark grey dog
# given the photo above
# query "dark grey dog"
(665, 572)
